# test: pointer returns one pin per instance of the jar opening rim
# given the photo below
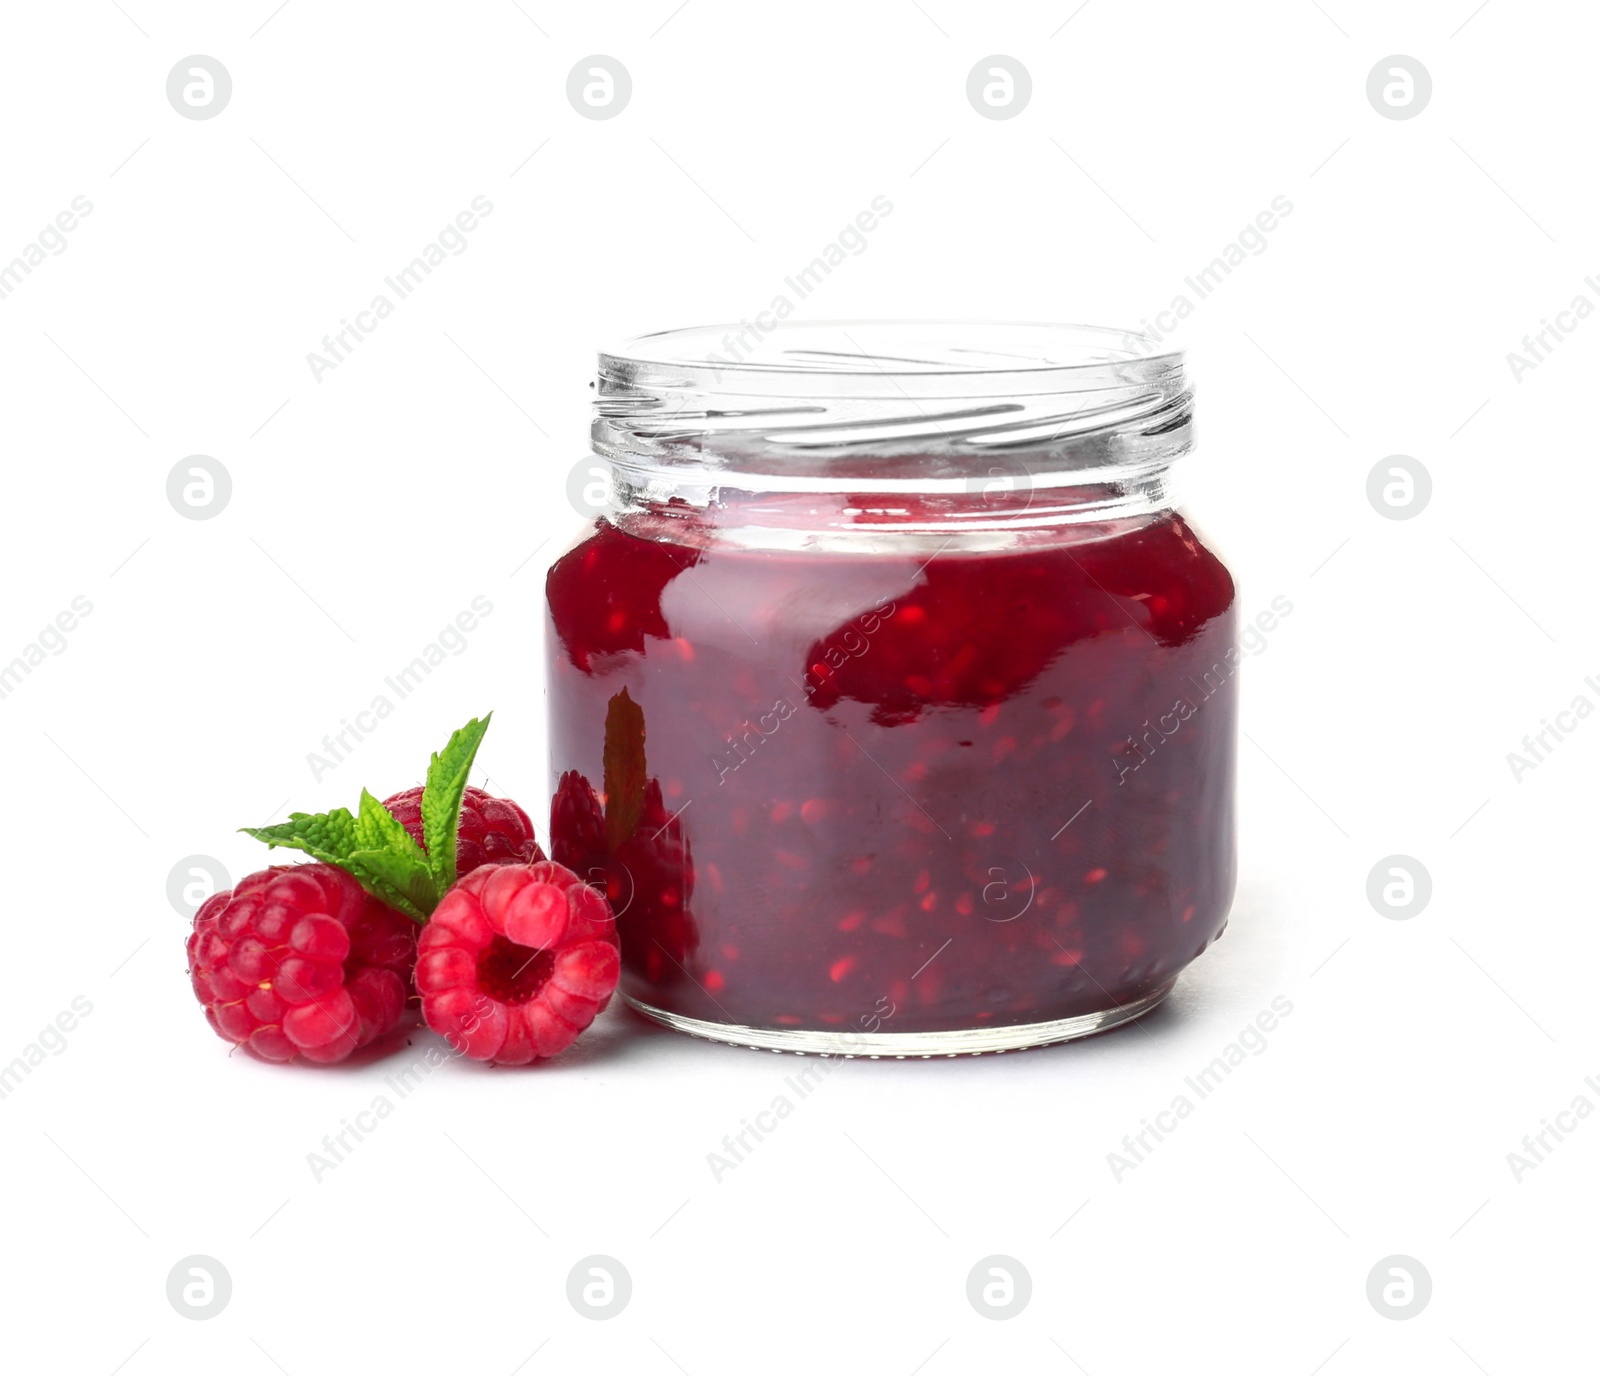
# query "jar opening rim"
(852, 403)
(890, 349)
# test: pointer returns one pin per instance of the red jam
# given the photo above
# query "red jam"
(983, 784)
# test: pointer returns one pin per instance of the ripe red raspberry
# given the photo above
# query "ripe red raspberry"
(649, 880)
(516, 961)
(578, 831)
(300, 960)
(492, 829)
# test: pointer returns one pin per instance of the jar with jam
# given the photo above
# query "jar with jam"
(892, 701)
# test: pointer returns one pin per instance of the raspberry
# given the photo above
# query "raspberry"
(300, 960)
(649, 880)
(492, 829)
(578, 828)
(516, 961)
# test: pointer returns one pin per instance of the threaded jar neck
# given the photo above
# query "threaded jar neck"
(990, 421)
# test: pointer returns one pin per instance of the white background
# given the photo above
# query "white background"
(369, 508)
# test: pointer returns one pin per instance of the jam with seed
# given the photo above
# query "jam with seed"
(870, 760)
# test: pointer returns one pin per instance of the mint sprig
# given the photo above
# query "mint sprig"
(442, 792)
(375, 849)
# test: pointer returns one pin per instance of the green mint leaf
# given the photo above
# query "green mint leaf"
(325, 836)
(385, 853)
(371, 846)
(442, 792)
(395, 880)
(624, 769)
(377, 828)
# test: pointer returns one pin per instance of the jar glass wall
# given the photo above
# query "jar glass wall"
(890, 697)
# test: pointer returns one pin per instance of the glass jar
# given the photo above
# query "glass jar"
(891, 699)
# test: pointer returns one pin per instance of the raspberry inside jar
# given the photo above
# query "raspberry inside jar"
(872, 754)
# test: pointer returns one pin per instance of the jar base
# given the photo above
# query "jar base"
(901, 1046)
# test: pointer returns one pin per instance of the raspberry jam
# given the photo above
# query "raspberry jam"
(880, 757)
